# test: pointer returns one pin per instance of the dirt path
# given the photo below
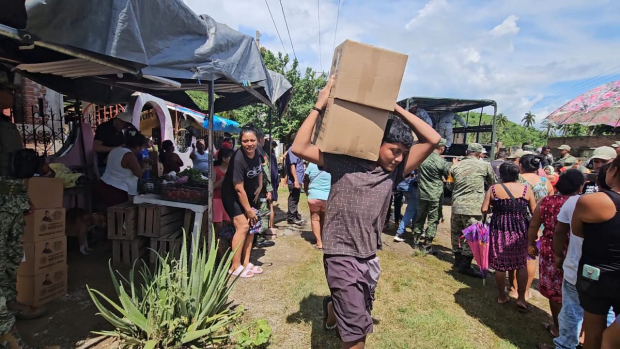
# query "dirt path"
(417, 295)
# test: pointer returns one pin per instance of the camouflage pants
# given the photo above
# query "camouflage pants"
(430, 210)
(458, 223)
(11, 254)
(441, 206)
(264, 209)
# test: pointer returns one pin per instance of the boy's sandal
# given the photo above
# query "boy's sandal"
(326, 301)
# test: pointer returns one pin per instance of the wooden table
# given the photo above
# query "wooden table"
(199, 211)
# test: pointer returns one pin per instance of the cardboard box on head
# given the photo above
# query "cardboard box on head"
(351, 129)
(366, 85)
(367, 75)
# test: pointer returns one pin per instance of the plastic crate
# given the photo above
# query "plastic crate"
(186, 194)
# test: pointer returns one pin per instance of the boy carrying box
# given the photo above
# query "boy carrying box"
(356, 208)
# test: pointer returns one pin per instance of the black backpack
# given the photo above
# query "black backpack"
(24, 163)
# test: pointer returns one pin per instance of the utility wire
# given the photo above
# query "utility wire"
(274, 24)
(318, 6)
(336, 31)
(289, 33)
(571, 89)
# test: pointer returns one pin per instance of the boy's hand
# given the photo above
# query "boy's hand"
(323, 97)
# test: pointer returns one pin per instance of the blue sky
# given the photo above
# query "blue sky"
(526, 54)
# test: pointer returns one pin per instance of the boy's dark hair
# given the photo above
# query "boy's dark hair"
(396, 131)
(259, 133)
(570, 181)
(509, 172)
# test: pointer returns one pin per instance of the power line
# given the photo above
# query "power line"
(336, 31)
(289, 33)
(578, 86)
(274, 24)
(318, 5)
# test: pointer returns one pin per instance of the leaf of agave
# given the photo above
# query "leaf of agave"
(114, 280)
(132, 283)
(150, 344)
(133, 313)
(108, 315)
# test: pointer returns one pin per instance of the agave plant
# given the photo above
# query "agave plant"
(182, 304)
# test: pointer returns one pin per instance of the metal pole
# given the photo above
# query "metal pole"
(210, 231)
(479, 123)
(493, 133)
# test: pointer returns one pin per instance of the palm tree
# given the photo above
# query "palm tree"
(548, 128)
(529, 119)
(502, 120)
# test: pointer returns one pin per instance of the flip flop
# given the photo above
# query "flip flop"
(326, 301)
(240, 272)
(548, 327)
(254, 269)
(523, 309)
(504, 302)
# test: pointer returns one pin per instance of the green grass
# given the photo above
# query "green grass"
(420, 302)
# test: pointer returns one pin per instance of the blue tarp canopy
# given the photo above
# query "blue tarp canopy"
(219, 123)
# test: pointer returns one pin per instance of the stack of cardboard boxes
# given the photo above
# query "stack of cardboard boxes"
(42, 275)
(365, 89)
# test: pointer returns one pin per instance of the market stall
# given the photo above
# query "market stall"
(80, 58)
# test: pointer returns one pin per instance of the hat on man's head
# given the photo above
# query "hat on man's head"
(564, 147)
(475, 148)
(616, 145)
(518, 154)
(529, 148)
(442, 143)
(604, 153)
(125, 116)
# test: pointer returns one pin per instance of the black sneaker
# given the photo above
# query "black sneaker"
(264, 243)
(297, 222)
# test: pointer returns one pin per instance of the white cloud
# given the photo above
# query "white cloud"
(508, 26)
(429, 10)
(456, 48)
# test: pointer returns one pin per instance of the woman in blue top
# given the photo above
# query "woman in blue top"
(317, 184)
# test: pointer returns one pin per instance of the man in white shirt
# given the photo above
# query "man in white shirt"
(571, 315)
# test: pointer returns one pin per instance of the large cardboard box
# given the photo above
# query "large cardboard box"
(45, 192)
(44, 224)
(43, 288)
(39, 257)
(351, 129)
(367, 75)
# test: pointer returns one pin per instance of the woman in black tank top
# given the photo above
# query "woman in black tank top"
(597, 220)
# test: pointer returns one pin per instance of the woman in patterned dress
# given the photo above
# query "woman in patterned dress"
(550, 277)
(529, 164)
(511, 203)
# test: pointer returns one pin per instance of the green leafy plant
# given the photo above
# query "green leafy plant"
(181, 304)
(255, 336)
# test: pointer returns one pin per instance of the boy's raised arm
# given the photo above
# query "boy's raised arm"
(302, 146)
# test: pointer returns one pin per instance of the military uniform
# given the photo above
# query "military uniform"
(13, 203)
(264, 207)
(470, 176)
(444, 125)
(567, 160)
(430, 189)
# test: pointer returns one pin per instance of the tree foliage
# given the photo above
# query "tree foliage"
(529, 119)
(305, 89)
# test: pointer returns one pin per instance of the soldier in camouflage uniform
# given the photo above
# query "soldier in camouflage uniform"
(470, 176)
(13, 203)
(430, 188)
(264, 208)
